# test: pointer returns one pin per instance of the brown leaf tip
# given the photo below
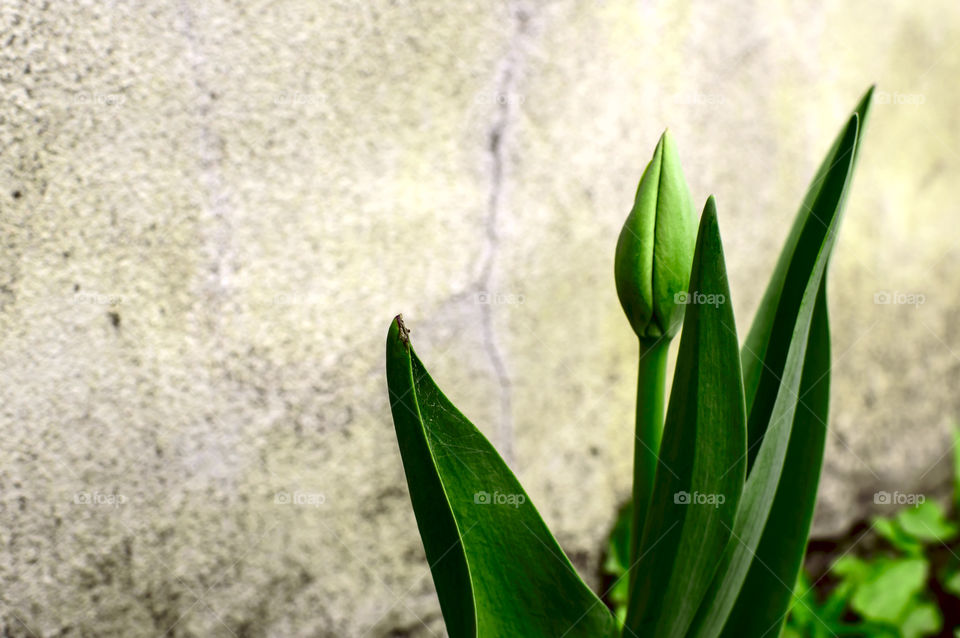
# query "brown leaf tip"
(403, 333)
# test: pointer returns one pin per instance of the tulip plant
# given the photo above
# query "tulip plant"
(725, 474)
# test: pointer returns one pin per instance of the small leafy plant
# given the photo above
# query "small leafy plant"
(891, 591)
(724, 482)
(898, 589)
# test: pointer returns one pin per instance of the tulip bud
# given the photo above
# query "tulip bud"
(655, 249)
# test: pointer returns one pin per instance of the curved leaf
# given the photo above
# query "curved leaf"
(765, 350)
(702, 456)
(780, 389)
(497, 569)
(783, 544)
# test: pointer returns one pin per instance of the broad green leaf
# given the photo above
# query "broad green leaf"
(927, 523)
(952, 584)
(923, 619)
(497, 569)
(851, 567)
(780, 481)
(702, 456)
(891, 531)
(885, 596)
(765, 350)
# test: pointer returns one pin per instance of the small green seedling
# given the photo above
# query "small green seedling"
(899, 589)
(725, 475)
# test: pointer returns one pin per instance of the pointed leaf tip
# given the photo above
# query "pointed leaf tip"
(786, 356)
(498, 570)
(710, 209)
(403, 333)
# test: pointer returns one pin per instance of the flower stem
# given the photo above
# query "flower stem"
(651, 387)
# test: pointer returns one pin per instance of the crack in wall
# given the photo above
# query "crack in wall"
(505, 86)
(218, 440)
(209, 152)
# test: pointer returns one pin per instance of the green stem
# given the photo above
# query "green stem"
(651, 387)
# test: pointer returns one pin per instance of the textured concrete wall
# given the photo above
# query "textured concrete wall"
(211, 210)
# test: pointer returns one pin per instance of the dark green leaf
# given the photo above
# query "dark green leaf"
(779, 555)
(764, 352)
(789, 391)
(702, 456)
(497, 569)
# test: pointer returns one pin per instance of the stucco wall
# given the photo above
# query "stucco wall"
(211, 210)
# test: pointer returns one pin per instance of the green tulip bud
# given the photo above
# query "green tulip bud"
(655, 249)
